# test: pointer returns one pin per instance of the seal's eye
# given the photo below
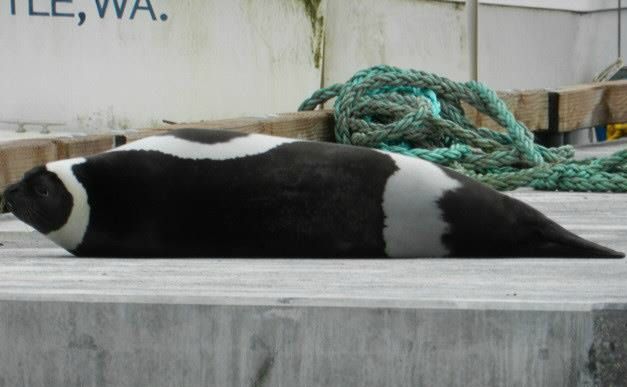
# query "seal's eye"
(41, 190)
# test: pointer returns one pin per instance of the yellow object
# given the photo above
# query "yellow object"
(616, 131)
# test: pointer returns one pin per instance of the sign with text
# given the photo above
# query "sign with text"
(100, 9)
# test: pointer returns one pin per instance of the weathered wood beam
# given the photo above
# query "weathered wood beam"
(564, 109)
(585, 106)
(69, 147)
(531, 107)
(311, 125)
(560, 110)
(17, 157)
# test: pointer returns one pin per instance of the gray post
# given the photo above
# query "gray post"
(472, 18)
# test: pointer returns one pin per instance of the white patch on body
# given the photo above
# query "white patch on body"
(413, 221)
(250, 145)
(71, 234)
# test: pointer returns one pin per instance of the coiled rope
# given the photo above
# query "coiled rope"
(419, 114)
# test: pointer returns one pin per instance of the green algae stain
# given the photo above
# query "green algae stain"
(312, 10)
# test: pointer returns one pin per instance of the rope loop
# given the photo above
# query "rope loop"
(420, 114)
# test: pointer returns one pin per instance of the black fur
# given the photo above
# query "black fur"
(299, 199)
(206, 136)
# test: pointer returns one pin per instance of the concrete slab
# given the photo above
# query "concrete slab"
(437, 322)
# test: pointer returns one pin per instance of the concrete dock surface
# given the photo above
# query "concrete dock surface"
(67, 321)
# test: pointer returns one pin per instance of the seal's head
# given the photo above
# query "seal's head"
(40, 199)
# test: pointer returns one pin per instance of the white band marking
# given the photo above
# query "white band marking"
(71, 234)
(250, 145)
(413, 221)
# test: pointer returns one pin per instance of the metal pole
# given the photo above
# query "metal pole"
(472, 18)
(619, 27)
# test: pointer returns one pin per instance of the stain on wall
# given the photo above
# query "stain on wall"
(316, 19)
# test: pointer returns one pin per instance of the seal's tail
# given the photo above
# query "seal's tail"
(559, 242)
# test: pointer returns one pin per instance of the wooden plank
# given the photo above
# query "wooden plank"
(135, 135)
(317, 125)
(17, 157)
(576, 107)
(69, 147)
(585, 106)
(531, 107)
(311, 125)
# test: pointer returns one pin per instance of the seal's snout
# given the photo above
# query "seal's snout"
(8, 197)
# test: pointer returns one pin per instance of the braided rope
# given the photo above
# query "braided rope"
(419, 114)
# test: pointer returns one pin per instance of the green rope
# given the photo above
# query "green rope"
(419, 114)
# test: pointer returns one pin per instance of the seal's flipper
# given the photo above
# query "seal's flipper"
(486, 223)
(555, 241)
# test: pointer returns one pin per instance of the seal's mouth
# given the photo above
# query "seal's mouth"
(25, 208)
(12, 200)
(5, 205)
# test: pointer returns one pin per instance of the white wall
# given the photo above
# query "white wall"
(532, 48)
(519, 46)
(209, 59)
(428, 35)
(225, 58)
